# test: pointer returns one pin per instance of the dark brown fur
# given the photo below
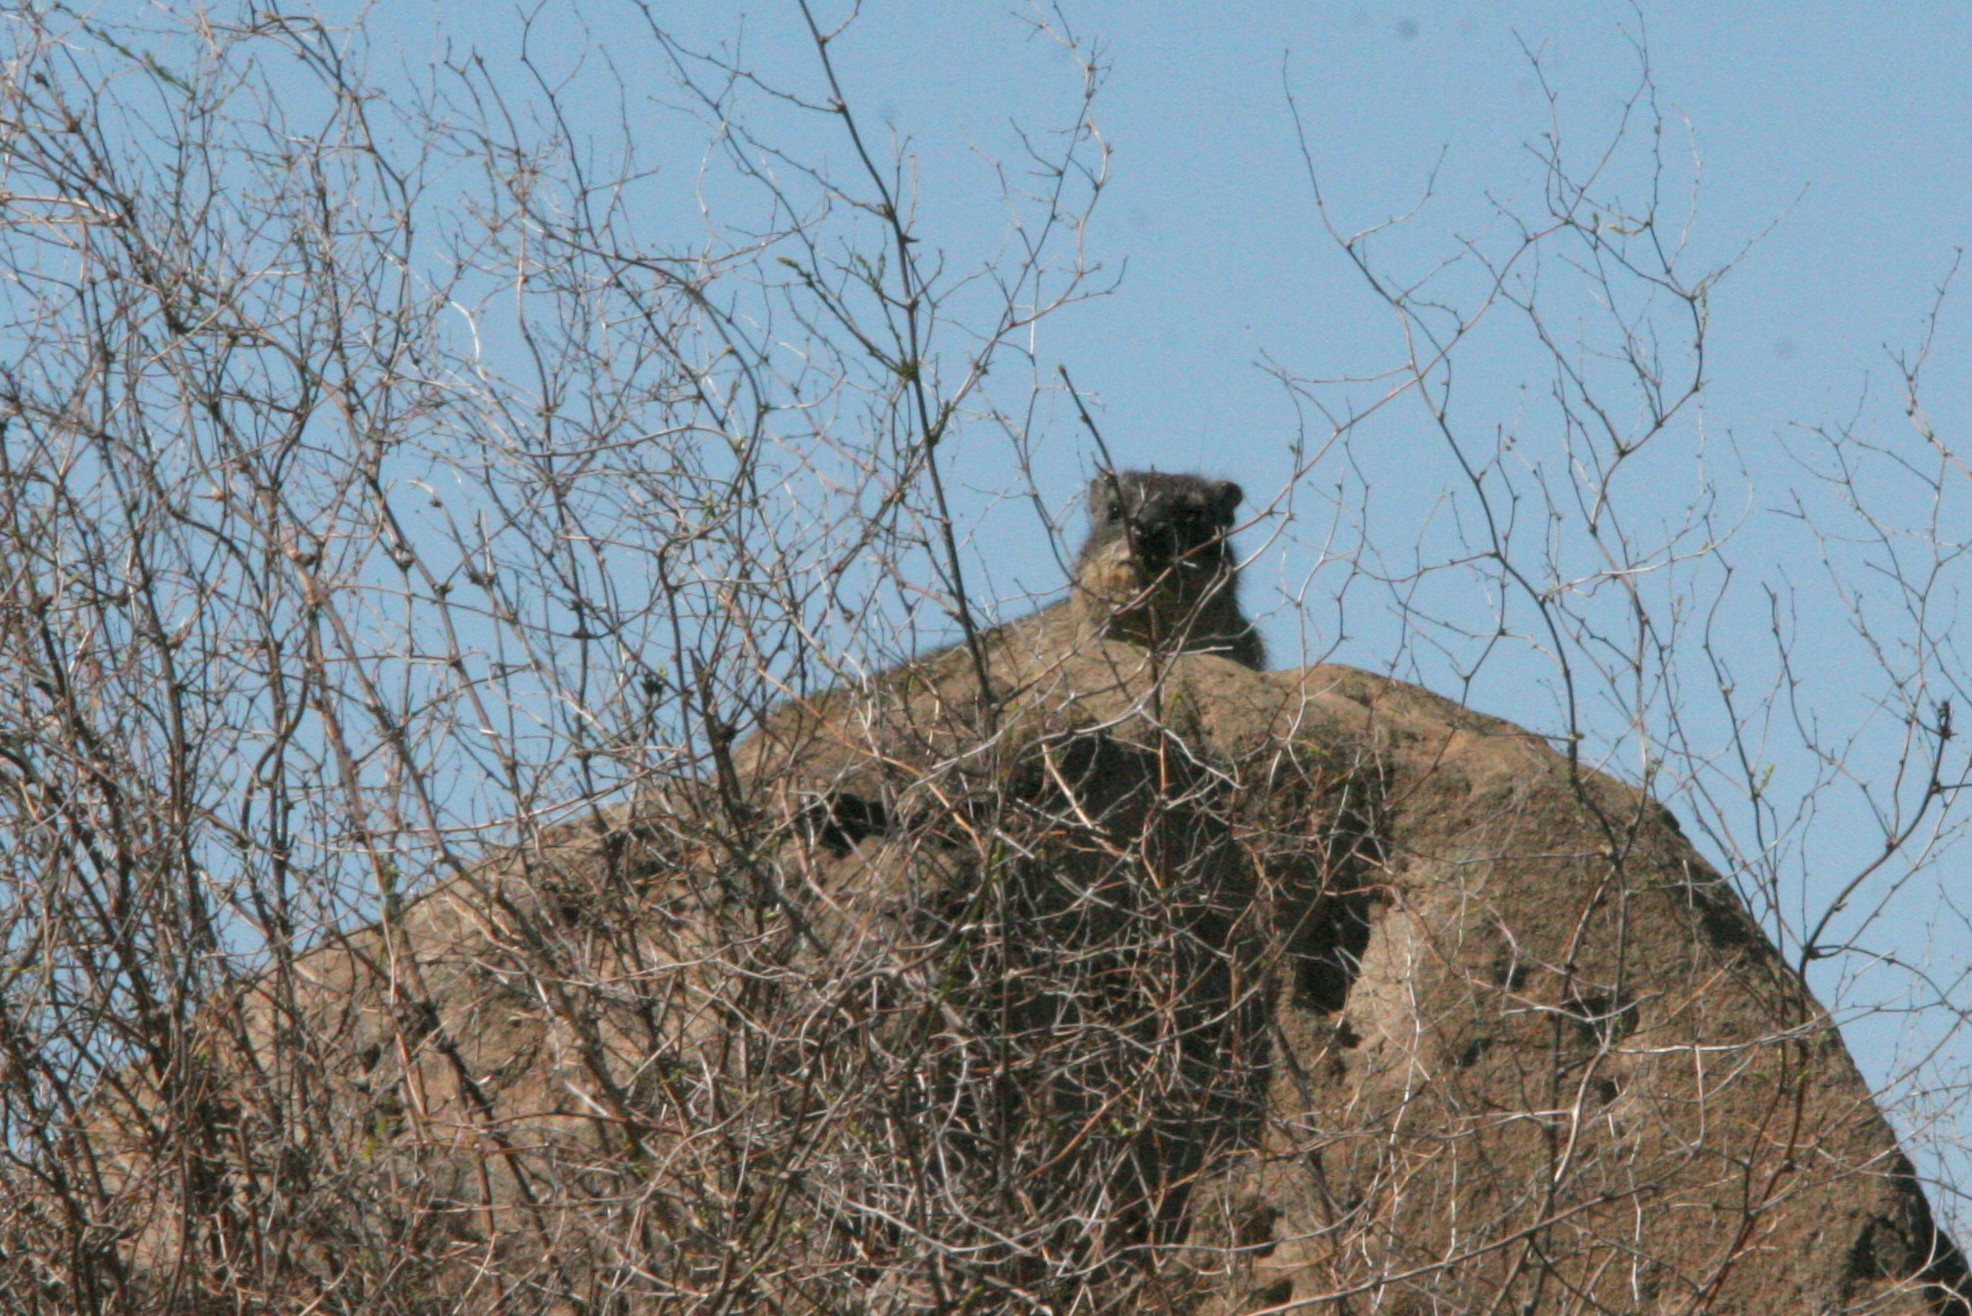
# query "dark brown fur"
(1158, 568)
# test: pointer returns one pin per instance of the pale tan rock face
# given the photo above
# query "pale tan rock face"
(1570, 1071)
(1138, 986)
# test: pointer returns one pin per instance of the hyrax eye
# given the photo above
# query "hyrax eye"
(1113, 512)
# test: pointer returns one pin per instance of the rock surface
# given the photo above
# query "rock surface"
(1135, 987)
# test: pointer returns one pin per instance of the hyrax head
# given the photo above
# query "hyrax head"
(1167, 522)
(1158, 568)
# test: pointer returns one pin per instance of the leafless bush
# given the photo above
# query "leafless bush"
(404, 536)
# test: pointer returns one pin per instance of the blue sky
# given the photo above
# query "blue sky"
(1817, 151)
(1844, 128)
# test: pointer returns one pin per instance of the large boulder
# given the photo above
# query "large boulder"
(1084, 982)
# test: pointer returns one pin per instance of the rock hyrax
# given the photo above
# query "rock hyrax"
(1158, 568)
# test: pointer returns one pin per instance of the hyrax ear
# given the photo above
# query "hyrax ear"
(1229, 495)
(1105, 497)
